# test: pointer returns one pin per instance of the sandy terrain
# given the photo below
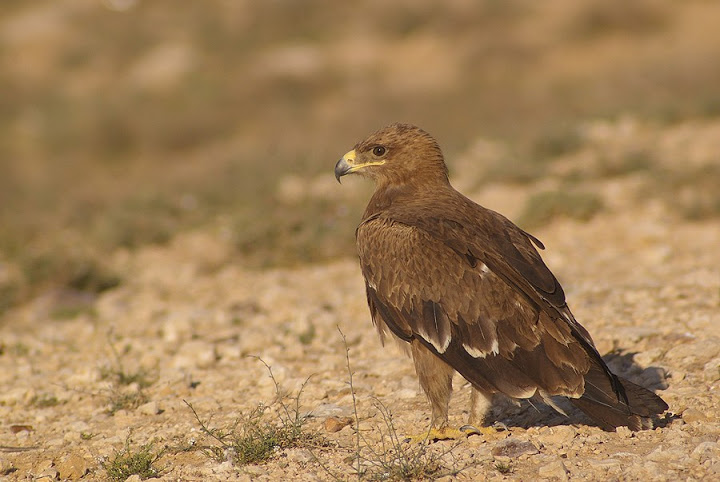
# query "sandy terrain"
(174, 149)
(647, 288)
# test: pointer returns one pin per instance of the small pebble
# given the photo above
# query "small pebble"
(555, 470)
(693, 415)
(512, 448)
(73, 467)
(560, 435)
(335, 424)
(6, 466)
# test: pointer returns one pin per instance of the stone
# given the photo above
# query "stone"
(299, 456)
(624, 432)
(335, 424)
(560, 435)
(150, 408)
(73, 467)
(6, 466)
(195, 354)
(701, 352)
(329, 410)
(556, 470)
(605, 464)
(661, 455)
(691, 415)
(42, 466)
(511, 448)
(653, 469)
(705, 450)
(711, 370)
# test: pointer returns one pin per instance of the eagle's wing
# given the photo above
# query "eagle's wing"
(422, 283)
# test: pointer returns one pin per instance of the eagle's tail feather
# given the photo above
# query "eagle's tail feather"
(618, 402)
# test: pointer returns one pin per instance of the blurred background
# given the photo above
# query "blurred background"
(126, 123)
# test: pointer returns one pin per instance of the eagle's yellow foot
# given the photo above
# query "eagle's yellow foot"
(448, 433)
(435, 434)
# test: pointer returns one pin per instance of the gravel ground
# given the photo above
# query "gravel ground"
(646, 286)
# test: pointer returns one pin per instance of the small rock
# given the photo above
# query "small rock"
(623, 432)
(691, 415)
(335, 424)
(73, 467)
(328, 410)
(560, 435)
(42, 466)
(16, 396)
(512, 449)
(705, 450)
(150, 408)
(72, 437)
(658, 455)
(49, 474)
(554, 470)
(405, 393)
(299, 456)
(653, 469)
(648, 357)
(604, 463)
(6, 466)
(20, 428)
(711, 370)
(134, 478)
(698, 352)
(195, 353)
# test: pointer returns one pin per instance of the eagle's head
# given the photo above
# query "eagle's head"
(396, 154)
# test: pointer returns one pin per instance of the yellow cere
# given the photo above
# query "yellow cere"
(349, 156)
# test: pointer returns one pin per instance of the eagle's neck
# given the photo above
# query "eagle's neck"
(386, 195)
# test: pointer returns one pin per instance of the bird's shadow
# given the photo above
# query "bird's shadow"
(535, 413)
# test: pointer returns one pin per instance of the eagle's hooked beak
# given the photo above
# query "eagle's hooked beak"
(344, 165)
(348, 165)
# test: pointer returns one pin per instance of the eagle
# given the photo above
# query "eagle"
(468, 291)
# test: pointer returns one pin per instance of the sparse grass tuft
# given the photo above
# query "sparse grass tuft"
(18, 349)
(503, 468)
(307, 336)
(127, 386)
(557, 143)
(73, 311)
(117, 373)
(44, 400)
(394, 459)
(545, 206)
(129, 461)
(692, 193)
(397, 459)
(122, 400)
(515, 170)
(600, 17)
(255, 438)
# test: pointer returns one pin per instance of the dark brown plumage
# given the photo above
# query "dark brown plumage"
(467, 289)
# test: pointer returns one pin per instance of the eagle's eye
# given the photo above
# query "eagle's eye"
(378, 151)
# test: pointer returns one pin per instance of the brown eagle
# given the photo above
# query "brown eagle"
(468, 291)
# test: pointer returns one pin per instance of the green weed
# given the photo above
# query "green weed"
(133, 461)
(255, 437)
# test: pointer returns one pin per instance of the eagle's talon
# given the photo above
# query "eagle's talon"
(470, 429)
(473, 430)
(500, 427)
